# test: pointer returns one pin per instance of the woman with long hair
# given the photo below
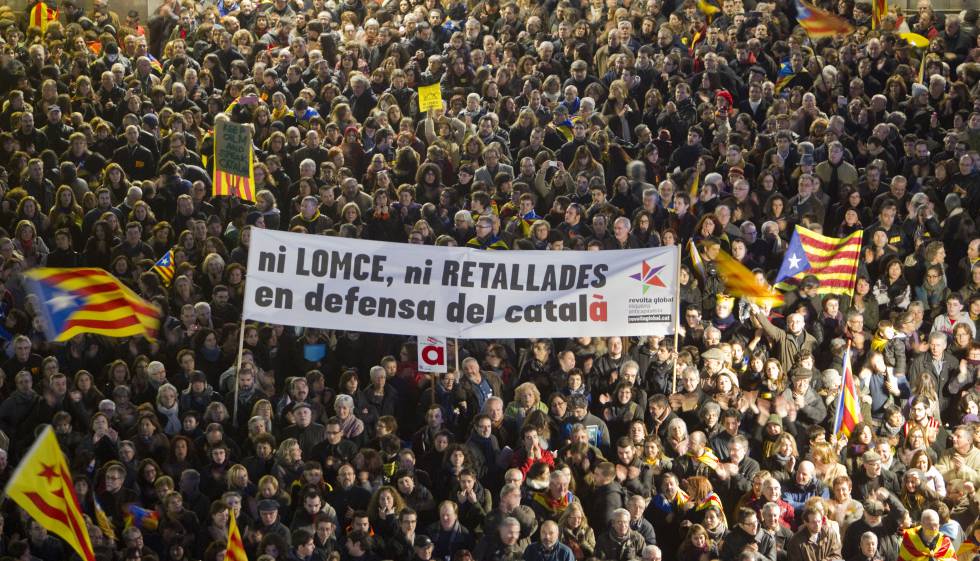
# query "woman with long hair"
(583, 163)
(576, 532)
(697, 545)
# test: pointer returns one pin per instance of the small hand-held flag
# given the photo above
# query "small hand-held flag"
(140, 517)
(90, 300)
(42, 486)
(785, 75)
(849, 404)
(102, 520)
(235, 550)
(165, 268)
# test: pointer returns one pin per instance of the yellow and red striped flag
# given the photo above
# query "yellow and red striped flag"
(740, 281)
(913, 547)
(90, 300)
(818, 23)
(235, 550)
(42, 486)
(41, 15)
(834, 261)
(102, 520)
(849, 405)
(234, 160)
(878, 10)
(695, 185)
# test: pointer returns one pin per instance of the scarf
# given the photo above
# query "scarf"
(554, 506)
(314, 218)
(351, 427)
(487, 446)
(666, 506)
(707, 457)
(173, 425)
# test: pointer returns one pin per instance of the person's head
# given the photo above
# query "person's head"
(549, 533)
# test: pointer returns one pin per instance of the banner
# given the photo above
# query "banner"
(357, 285)
(233, 160)
(433, 354)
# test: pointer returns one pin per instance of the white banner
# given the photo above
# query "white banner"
(357, 285)
(432, 354)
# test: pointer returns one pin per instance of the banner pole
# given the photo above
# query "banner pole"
(238, 369)
(456, 358)
(677, 320)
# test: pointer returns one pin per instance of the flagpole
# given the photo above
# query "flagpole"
(677, 319)
(238, 369)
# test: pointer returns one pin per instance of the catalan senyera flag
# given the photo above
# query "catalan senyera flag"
(785, 75)
(42, 486)
(913, 548)
(818, 23)
(834, 261)
(849, 405)
(696, 260)
(41, 15)
(102, 520)
(166, 268)
(90, 300)
(235, 550)
(740, 281)
(878, 10)
(234, 160)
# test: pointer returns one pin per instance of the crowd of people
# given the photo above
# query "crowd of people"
(565, 125)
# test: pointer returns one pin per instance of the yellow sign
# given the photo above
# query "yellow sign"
(430, 97)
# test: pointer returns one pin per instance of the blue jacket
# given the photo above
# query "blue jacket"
(796, 495)
(536, 552)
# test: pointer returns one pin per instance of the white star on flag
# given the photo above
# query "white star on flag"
(61, 302)
(794, 261)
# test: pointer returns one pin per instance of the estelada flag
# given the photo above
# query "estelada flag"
(818, 23)
(234, 160)
(90, 300)
(42, 486)
(166, 268)
(41, 15)
(834, 261)
(235, 550)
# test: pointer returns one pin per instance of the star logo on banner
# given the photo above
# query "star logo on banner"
(794, 261)
(48, 472)
(649, 276)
